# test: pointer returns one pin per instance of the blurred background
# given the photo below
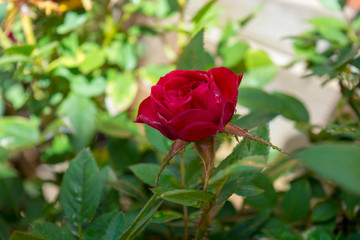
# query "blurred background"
(73, 73)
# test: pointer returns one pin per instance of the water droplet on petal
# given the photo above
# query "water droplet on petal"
(217, 98)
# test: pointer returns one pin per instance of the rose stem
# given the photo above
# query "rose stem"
(206, 150)
(185, 210)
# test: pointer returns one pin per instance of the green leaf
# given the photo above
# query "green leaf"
(325, 211)
(332, 4)
(186, 197)
(3, 7)
(249, 164)
(24, 50)
(94, 58)
(59, 150)
(109, 200)
(119, 126)
(276, 229)
(71, 22)
(18, 133)
(127, 188)
(121, 91)
(51, 231)
(258, 148)
(328, 22)
(193, 172)
(334, 35)
(338, 162)
(331, 29)
(4, 155)
(345, 131)
(4, 228)
(123, 54)
(245, 229)
(5, 59)
(296, 202)
(319, 234)
(356, 61)
(351, 204)
(80, 111)
(46, 50)
(281, 103)
(116, 227)
(266, 200)
(260, 69)
(194, 56)
(159, 141)
(17, 235)
(12, 191)
(123, 153)
(165, 216)
(97, 229)
(249, 190)
(147, 172)
(346, 56)
(292, 108)
(356, 23)
(200, 14)
(234, 54)
(80, 85)
(257, 99)
(354, 236)
(2, 106)
(17, 95)
(81, 187)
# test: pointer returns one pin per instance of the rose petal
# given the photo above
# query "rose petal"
(158, 92)
(200, 96)
(197, 131)
(147, 114)
(183, 78)
(227, 114)
(216, 101)
(180, 121)
(226, 81)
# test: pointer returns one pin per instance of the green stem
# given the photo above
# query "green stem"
(206, 150)
(80, 231)
(206, 215)
(185, 210)
(127, 234)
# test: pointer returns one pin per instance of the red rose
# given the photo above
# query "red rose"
(191, 105)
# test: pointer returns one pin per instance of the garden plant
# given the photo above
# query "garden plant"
(101, 140)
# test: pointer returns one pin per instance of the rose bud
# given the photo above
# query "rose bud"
(191, 105)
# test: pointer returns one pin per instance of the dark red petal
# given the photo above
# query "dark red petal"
(197, 131)
(182, 120)
(200, 96)
(179, 79)
(229, 109)
(216, 101)
(226, 81)
(146, 111)
(157, 92)
(148, 115)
